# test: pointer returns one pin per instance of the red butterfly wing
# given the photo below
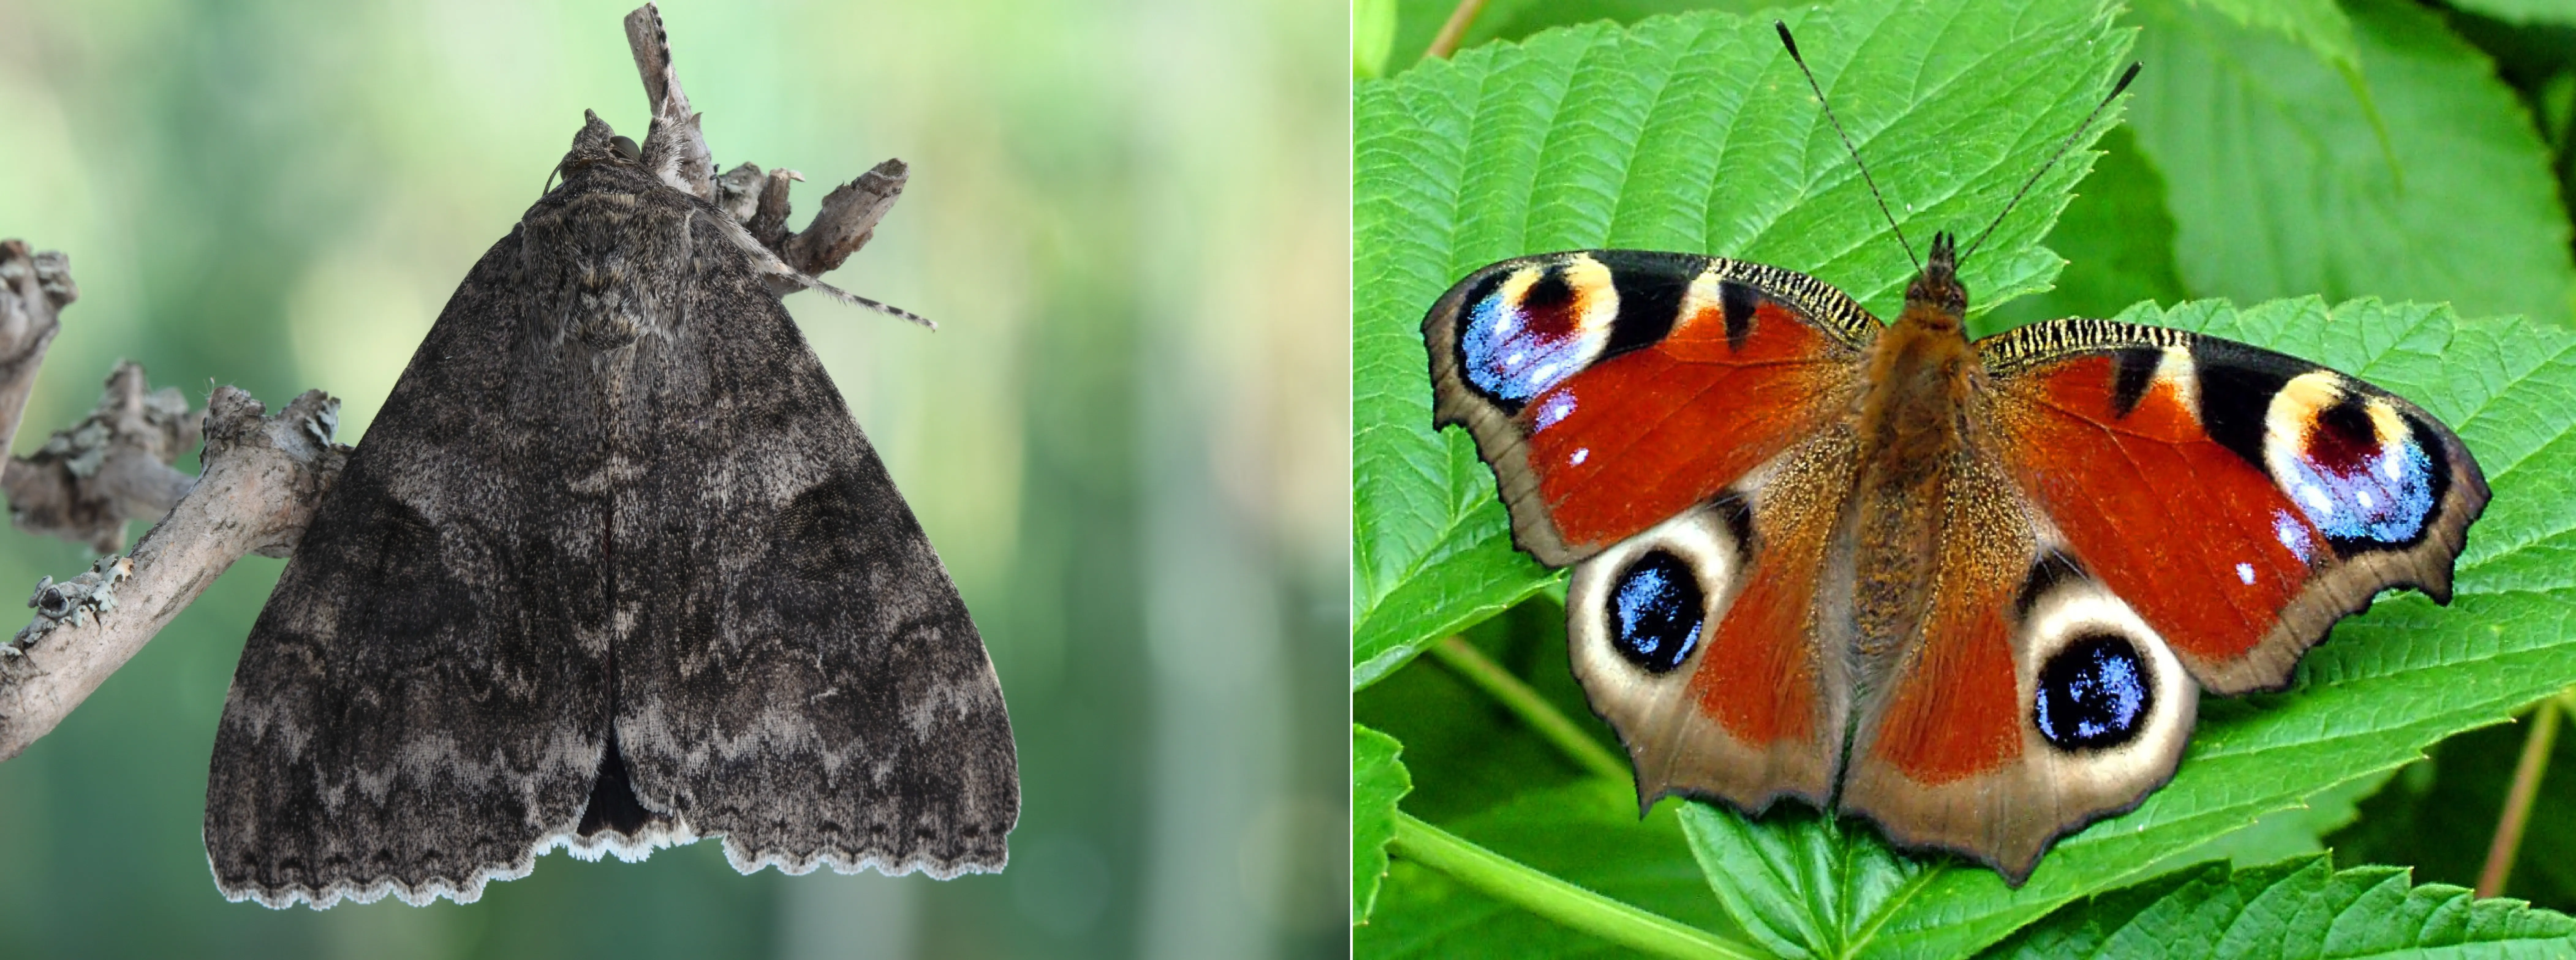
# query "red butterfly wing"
(2241, 500)
(1612, 390)
(1678, 426)
(2137, 509)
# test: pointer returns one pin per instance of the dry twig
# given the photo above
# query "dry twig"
(263, 477)
(112, 467)
(34, 288)
(850, 212)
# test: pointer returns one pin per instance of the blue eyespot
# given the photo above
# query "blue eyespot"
(1513, 349)
(2354, 485)
(2095, 694)
(1656, 611)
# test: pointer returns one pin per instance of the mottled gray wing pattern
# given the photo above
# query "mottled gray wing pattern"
(801, 675)
(613, 569)
(412, 713)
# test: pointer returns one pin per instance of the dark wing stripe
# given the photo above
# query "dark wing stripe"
(1650, 299)
(1737, 301)
(2045, 574)
(2134, 369)
(2233, 400)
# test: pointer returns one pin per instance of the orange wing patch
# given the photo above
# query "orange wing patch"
(2198, 540)
(1643, 436)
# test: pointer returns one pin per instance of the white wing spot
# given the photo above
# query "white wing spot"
(2316, 499)
(2245, 572)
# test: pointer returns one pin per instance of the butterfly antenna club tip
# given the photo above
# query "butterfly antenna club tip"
(2069, 144)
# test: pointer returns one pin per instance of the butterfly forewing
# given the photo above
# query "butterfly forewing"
(2243, 500)
(1591, 382)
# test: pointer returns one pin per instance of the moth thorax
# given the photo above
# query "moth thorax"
(605, 320)
(605, 268)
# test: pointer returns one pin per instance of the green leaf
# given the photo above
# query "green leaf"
(1463, 750)
(2440, 814)
(2558, 12)
(2389, 683)
(2318, 25)
(1690, 133)
(1587, 833)
(2297, 831)
(1378, 780)
(2278, 186)
(2322, 27)
(1372, 36)
(2117, 239)
(1517, 19)
(1800, 883)
(2296, 908)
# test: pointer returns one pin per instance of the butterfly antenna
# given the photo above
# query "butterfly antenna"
(2116, 88)
(1792, 44)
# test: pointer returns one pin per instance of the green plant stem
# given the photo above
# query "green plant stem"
(2517, 800)
(1516, 883)
(1455, 30)
(1459, 655)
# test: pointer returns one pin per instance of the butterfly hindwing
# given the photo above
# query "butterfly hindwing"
(2030, 701)
(1610, 389)
(1703, 643)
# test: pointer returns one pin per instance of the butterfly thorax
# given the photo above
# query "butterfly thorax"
(1918, 433)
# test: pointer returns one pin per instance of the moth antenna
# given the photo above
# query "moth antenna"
(2125, 77)
(775, 267)
(855, 300)
(1792, 44)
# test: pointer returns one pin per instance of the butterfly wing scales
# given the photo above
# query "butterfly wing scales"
(2200, 512)
(1606, 388)
(2243, 500)
(1949, 750)
(1752, 710)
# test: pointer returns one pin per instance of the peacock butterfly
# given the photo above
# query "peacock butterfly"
(1969, 591)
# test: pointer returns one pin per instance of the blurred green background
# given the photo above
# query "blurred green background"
(1127, 438)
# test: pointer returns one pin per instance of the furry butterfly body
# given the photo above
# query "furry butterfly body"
(1969, 591)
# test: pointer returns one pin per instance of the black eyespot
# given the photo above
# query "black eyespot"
(2095, 694)
(1655, 612)
(625, 147)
